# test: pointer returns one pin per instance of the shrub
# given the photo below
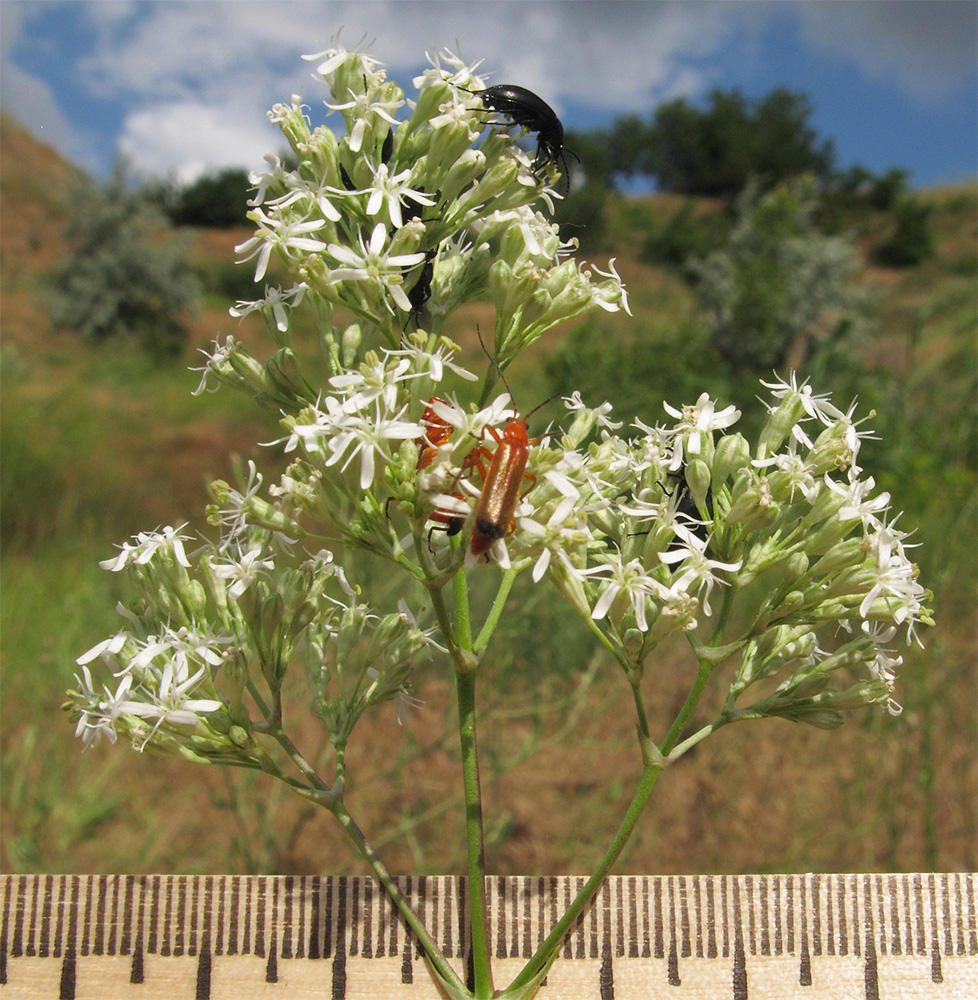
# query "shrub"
(121, 279)
(771, 289)
(912, 240)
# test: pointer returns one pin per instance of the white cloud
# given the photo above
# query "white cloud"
(191, 81)
(927, 48)
(196, 58)
(189, 139)
(574, 49)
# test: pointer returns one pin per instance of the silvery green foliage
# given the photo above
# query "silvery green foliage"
(777, 278)
(775, 555)
(119, 278)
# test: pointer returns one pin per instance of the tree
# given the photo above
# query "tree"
(121, 278)
(581, 212)
(214, 200)
(716, 151)
(778, 284)
(912, 240)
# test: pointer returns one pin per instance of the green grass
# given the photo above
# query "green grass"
(99, 444)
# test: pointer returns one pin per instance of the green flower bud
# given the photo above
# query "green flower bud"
(832, 450)
(753, 509)
(283, 371)
(731, 454)
(195, 597)
(271, 612)
(240, 737)
(699, 480)
(780, 423)
(842, 555)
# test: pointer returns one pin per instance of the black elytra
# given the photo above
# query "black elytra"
(533, 113)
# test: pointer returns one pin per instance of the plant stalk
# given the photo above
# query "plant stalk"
(545, 954)
(474, 840)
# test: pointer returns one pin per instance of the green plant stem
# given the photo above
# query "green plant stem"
(692, 699)
(474, 840)
(463, 616)
(545, 954)
(495, 612)
(438, 961)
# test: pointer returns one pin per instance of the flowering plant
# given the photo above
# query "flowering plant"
(774, 559)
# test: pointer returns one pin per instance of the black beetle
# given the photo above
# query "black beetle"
(534, 114)
(421, 291)
(387, 150)
(686, 506)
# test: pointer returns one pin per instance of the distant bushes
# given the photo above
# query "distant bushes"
(214, 201)
(912, 239)
(777, 283)
(122, 277)
(685, 234)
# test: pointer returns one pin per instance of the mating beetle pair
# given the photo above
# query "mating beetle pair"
(502, 471)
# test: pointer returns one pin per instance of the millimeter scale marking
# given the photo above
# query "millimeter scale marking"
(210, 937)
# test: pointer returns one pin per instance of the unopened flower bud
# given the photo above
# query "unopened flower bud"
(842, 555)
(732, 453)
(780, 423)
(699, 481)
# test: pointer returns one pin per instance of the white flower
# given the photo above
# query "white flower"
(696, 574)
(610, 295)
(372, 264)
(473, 424)
(393, 191)
(629, 578)
(217, 360)
(148, 543)
(818, 406)
(882, 662)
(599, 414)
(368, 437)
(859, 504)
(183, 649)
(287, 235)
(243, 568)
(460, 75)
(169, 702)
(99, 717)
(107, 650)
(371, 383)
(234, 516)
(337, 55)
(432, 363)
(275, 302)
(896, 582)
(555, 535)
(795, 470)
(695, 421)
(363, 108)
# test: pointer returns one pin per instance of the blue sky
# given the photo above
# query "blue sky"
(182, 87)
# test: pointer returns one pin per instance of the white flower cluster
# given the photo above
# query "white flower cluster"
(215, 636)
(400, 222)
(396, 220)
(639, 532)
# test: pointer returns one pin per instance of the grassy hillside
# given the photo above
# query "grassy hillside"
(99, 443)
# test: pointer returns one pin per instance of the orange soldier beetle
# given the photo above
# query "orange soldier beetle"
(437, 434)
(502, 480)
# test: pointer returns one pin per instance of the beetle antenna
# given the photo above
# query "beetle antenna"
(495, 363)
(539, 406)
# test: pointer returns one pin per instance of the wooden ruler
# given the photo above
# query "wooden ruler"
(727, 936)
